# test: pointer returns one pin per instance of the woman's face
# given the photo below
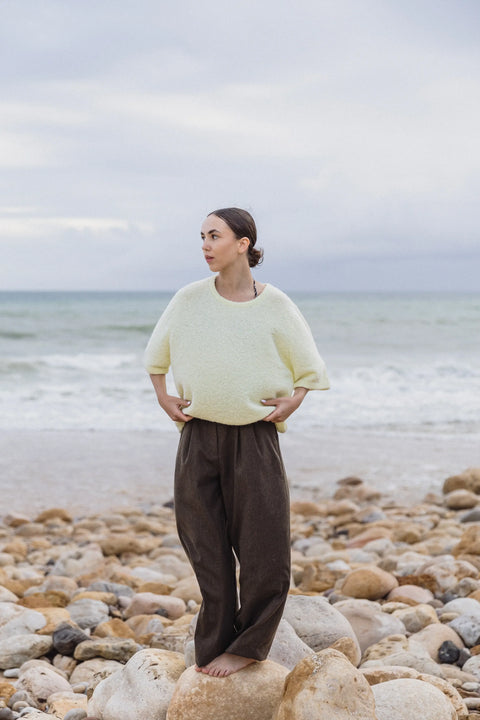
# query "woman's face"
(221, 248)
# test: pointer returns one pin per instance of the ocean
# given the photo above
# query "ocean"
(398, 363)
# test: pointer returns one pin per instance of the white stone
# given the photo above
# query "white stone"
(287, 648)
(17, 649)
(468, 627)
(17, 620)
(316, 622)
(77, 561)
(88, 613)
(368, 621)
(462, 606)
(142, 689)
(40, 682)
(408, 699)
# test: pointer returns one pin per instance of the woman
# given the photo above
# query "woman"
(237, 349)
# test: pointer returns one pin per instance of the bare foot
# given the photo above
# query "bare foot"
(226, 664)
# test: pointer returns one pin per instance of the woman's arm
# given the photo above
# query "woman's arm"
(171, 404)
(285, 406)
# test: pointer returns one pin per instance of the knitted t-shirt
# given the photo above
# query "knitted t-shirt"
(227, 356)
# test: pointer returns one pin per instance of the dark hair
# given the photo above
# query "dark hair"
(243, 225)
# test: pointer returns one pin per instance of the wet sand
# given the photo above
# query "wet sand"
(96, 471)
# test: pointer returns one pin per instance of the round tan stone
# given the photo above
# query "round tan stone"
(144, 603)
(369, 582)
(469, 543)
(417, 617)
(307, 508)
(188, 589)
(54, 617)
(410, 594)
(432, 636)
(326, 685)
(468, 479)
(461, 499)
(252, 694)
(54, 514)
(106, 597)
(114, 628)
(60, 703)
(6, 691)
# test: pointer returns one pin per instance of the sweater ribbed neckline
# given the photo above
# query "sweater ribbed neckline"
(236, 303)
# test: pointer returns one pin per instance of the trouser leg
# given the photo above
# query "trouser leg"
(256, 497)
(202, 528)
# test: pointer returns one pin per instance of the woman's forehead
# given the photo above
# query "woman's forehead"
(213, 222)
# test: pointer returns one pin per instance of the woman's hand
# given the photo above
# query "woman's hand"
(171, 404)
(173, 407)
(285, 406)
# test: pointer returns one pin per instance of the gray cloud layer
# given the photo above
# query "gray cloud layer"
(349, 129)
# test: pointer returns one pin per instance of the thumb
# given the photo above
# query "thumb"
(184, 403)
(270, 401)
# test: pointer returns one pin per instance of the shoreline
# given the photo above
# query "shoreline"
(97, 471)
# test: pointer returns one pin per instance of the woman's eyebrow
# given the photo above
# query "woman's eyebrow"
(211, 232)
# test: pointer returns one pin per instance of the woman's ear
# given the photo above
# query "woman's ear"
(243, 245)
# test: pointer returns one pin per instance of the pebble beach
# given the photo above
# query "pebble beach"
(382, 621)
(97, 600)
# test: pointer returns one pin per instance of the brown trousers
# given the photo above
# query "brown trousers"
(231, 496)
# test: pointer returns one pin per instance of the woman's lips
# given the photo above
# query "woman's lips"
(208, 258)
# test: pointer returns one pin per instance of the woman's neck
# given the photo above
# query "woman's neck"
(235, 285)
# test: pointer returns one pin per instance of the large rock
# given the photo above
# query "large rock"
(368, 621)
(287, 648)
(17, 649)
(316, 622)
(384, 674)
(142, 689)
(251, 694)
(406, 698)
(326, 686)
(40, 682)
(369, 582)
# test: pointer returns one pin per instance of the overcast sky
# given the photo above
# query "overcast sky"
(349, 128)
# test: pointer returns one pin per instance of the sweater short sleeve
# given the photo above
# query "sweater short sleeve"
(299, 351)
(156, 358)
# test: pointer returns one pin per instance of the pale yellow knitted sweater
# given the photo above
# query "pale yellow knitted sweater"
(227, 356)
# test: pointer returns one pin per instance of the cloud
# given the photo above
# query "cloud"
(350, 129)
